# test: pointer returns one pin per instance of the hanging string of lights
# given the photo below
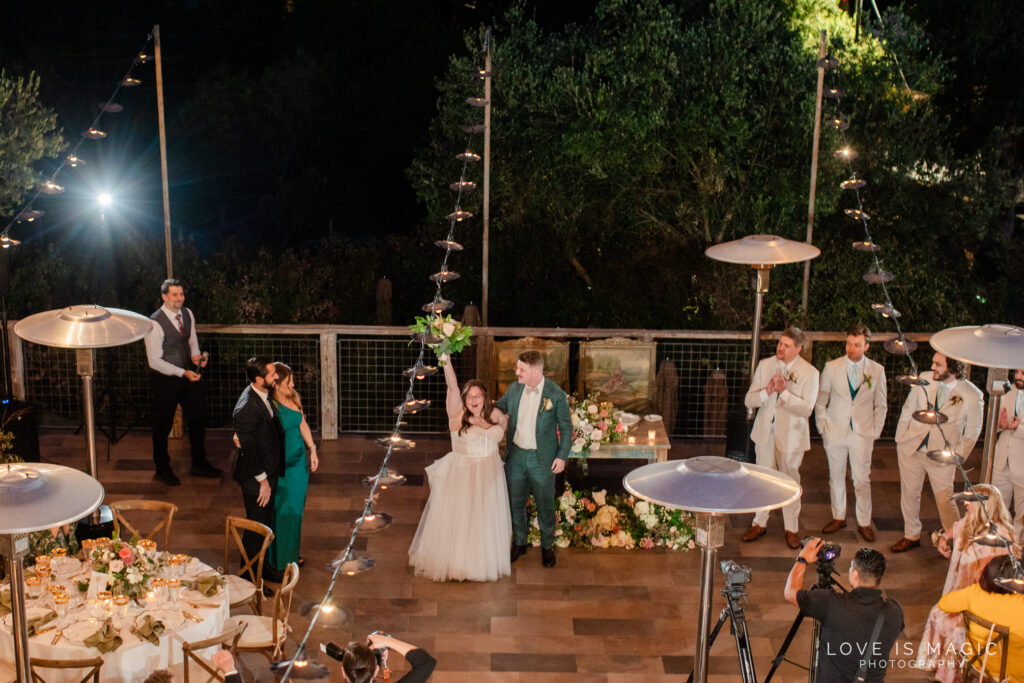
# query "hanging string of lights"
(49, 186)
(876, 275)
(347, 562)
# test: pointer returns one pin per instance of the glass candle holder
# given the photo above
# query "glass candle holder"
(158, 587)
(60, 606)
(148, 545)
(632, 441)
(121, 607)
(43, 560)
(651, 435)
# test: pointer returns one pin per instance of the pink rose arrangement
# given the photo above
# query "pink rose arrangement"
(126, 564)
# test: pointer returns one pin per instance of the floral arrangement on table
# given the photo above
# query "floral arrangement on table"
(599, 520)
(127, 565)
(450, 334)
(594, 423)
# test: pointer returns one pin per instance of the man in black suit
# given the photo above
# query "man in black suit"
(260, 460)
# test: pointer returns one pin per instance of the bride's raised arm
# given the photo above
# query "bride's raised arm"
(453, 400)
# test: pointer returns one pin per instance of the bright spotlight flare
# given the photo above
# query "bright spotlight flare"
(104, 199)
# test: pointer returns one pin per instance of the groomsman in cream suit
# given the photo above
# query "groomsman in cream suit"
(850, 413)
(1008, 464)
(783, 390)
(963, 404)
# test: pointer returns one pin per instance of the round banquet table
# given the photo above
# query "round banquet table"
(136, 658)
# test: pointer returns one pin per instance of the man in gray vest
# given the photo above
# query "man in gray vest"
(173, 352)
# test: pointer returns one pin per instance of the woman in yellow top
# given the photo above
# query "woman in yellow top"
(990, 601)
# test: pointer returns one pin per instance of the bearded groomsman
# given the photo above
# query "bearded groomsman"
(1008, 464)
(783, 391)
(850, 413)
(960, 401)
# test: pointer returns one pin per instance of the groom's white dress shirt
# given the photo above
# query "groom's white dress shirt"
(526, 422)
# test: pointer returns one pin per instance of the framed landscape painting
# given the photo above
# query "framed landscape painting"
(618, 370)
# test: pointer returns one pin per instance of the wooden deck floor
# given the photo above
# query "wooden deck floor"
(610, 615)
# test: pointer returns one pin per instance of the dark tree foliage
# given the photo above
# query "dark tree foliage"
(623, 146)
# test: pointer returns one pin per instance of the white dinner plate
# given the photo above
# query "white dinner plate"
(629, 419)
(172, 618)
(33, 612)
(82, 629)
(652, 418)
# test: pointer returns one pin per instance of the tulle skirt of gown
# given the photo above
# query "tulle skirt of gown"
(466, 527)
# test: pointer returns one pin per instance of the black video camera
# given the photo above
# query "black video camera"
(735, 574)
(828, 553)
(337, 653)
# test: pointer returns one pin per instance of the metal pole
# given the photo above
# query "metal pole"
(755, 341)
(86, 360)
(163, 147)
(487, 180)
(822, 51)
(12, 562)
(997, 387)
(709, 533)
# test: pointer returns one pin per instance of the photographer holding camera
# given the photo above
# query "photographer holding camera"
(361, 662)
(858, 628)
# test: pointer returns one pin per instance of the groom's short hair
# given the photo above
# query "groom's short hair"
(532, 358)
(796, 334)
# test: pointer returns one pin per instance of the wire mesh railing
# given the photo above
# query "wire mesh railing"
(711, 372)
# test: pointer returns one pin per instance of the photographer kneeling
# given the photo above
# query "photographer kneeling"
(360, 663)
(858, 628)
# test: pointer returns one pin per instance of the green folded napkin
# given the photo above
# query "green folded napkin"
(149, 628)
(37, 623)
(208, 585)
(105, 639)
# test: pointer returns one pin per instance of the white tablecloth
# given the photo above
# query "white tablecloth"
(135, 659)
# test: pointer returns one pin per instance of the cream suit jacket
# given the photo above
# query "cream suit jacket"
(789, 410)
(834, 409)
(965, 418)
(1010, 444)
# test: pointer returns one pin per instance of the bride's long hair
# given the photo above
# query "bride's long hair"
(485, 411)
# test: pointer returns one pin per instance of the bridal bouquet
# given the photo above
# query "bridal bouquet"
(126, 564)
(445, 334)
(594, 423)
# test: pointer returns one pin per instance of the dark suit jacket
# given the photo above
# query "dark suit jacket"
(262, 441)
(554, 424)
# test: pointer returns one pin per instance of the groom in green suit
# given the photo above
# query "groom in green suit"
(538, 439)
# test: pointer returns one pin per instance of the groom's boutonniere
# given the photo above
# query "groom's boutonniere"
(548, 405)
(866, 380)
(791, 377)
(954, 399)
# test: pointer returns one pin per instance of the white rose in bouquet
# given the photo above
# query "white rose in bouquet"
(115, 566)
(447, 329)
(596, 435)
(600, 496)
(641, 507)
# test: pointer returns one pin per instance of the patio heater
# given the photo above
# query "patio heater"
(711, 487)
(84, 328)
(1000, 348)
(762, 253)
(33, 497)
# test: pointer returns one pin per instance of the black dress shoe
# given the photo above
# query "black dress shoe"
(272, 575)
(547, 557)
(168, 477)
(515, 552)
(267, 592)
(205, 469)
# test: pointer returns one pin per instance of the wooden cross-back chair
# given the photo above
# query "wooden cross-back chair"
(267, 634)
(93, 665)
(233, 629)
(164, 511)
(245, 587)
(996, 644)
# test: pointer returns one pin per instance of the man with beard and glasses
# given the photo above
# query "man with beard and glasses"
(1008, 464)
(960, 401)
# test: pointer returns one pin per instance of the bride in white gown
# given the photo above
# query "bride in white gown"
(465, 529)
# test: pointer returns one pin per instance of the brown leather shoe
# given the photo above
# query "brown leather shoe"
(905, 544)
(793, 539)
(753, 533)
(867, 533)
(834, 526)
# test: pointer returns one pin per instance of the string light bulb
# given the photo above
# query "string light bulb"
(396, 442)
(463, 186)
(351, 564)
(130, 82)
(476, 101)
(74, 161)
(459, 215)
(930, 416)
(28, 215)
(845, 154)
(449, 245)
(852, 184)
(412, 406)
(8, 242)
(438, 306)
(370, 521)
(50, 187)
(877, 276)
(385, 479)
(444, 276)
(866, 245)
(857, 214)
(886, 310)
(468, 157)
(900, 346)
(94, 134)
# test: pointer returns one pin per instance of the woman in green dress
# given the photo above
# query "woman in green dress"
(290, 498)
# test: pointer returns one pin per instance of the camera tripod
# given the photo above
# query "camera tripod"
(825, 582)
(738, 627)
